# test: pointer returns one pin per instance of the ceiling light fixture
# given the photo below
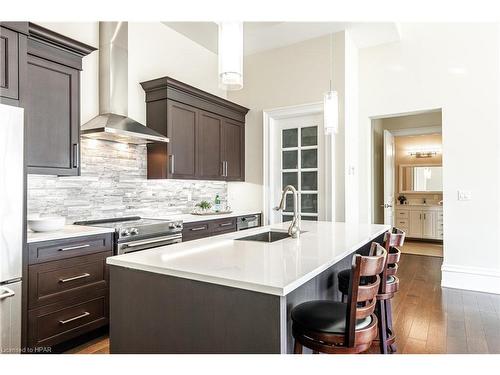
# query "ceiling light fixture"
(331, 102)
(230, 55)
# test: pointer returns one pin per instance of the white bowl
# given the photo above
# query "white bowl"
(46, 224)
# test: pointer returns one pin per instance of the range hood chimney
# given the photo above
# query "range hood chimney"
(113, 123)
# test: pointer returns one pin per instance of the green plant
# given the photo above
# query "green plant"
(204, 205)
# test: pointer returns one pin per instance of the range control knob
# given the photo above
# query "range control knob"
(178, 225)
(125, 233)
(171, 225)
(134, 231)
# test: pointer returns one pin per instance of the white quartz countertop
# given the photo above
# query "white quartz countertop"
(68, 231)
(273, 268)
(190, 218)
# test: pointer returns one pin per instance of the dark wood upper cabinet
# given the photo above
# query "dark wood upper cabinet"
(182, 123)
(52, 102)
(9, 64)
(210, 155)
(12, 60)
(233, 148)
(207, 133)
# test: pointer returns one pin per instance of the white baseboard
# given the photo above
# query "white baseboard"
(471, 278)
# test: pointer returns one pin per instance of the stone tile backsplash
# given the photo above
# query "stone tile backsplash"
(113, 183)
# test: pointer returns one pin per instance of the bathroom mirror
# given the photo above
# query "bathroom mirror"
(421, 178)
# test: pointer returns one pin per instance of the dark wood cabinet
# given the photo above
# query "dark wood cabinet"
(233, 147)
(53, 120)
(52, 102)
(67, 293)
(9, 64)
(181, 126)
(12, 61)
(207, 133)
(209, 146)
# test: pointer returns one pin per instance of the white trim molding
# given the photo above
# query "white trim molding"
(471, 278)
(269, 116)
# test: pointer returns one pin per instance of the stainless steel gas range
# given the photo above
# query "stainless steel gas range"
(135, 233)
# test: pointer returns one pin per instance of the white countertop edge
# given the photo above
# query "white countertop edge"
(68, 231)
(266, 289)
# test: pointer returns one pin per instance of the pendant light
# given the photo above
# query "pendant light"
(231, 55)
(331, 102)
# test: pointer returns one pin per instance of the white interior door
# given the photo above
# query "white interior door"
(297, 158)
(389, 172)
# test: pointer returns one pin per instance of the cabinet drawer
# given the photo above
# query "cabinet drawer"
(57, 281)
(402, 214)
(402, 223)
(194, 231)
(48, 327)
(223, 225)
(40, 252)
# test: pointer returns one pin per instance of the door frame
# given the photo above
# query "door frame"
(270, 117)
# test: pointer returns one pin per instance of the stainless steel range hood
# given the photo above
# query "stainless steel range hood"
(112, 124)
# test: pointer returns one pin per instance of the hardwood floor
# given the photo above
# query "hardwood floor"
(428, 319)
(422, 248)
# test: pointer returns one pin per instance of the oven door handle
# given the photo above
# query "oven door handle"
(152, 241)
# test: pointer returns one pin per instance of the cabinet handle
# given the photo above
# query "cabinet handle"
(198, 228)
(75, 155)
(7, 293)
(75, 318)
(424, 216)
(82, 276)
(225, 224)
(420, 216)
(172, 164)
(223, 169)
(74, 247)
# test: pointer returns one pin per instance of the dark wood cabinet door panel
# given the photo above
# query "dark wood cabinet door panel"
(194, 231)
(9, 64)
(223, 225)
(209, 146)
(59, 280)
(46, 251)
(233, 143)
(52, 118)
(54, 324)
(181, 130)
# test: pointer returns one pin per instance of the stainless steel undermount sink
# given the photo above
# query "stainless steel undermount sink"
(269, 236)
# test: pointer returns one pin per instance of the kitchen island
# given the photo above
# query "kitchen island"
(226, 295)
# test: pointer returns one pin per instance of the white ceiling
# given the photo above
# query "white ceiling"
(263, 36)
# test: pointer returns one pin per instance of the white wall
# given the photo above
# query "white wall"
(292, 75)
(85, 32)
(154, 51)
(454, 67)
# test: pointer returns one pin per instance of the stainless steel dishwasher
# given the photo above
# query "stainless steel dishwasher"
(247, 222)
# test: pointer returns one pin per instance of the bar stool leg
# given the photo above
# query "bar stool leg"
(297, 348)
(382, 326)
(393, 346)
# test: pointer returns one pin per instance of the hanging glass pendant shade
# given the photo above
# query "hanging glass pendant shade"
(331, 112)
(231, 55)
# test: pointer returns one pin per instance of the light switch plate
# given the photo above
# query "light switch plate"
(464, 195)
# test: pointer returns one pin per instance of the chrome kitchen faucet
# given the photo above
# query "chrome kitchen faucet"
(294, 229)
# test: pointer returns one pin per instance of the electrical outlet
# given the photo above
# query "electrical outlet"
(464, 195)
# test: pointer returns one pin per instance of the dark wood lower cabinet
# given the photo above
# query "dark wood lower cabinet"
(207, 228)
(68, 289)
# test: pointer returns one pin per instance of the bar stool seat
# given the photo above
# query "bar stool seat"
(326, 317)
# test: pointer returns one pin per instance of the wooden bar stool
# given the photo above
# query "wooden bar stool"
(389, 285)
(338, 327)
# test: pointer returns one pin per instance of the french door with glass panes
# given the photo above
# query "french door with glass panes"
(299, 162)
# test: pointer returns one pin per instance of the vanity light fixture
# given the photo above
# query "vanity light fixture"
(230, 51)
(423, 154)
(331, 102)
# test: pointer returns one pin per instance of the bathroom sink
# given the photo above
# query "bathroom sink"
(270, 236)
